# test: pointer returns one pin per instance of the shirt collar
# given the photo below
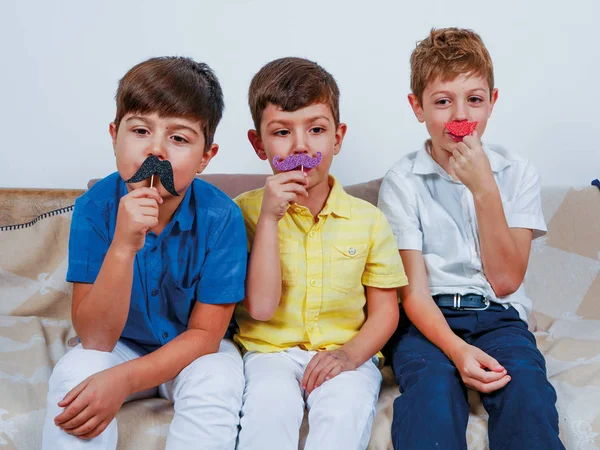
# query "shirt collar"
(338, 202)
(426, 165)
(184, 214)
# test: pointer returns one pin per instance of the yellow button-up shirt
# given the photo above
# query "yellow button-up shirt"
(325, 265)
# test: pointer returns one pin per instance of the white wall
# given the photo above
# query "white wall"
(61, 61)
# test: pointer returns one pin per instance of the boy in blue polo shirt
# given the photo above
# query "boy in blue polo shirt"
(158, 265)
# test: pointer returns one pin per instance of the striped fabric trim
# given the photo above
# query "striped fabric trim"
(20, 226)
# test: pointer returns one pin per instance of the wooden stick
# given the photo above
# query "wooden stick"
(151, 180)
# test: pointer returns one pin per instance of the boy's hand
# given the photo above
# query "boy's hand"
(324, 366)
(470, 165)
(280, 190)
(93, 404)
(137, 214)
(471, 362)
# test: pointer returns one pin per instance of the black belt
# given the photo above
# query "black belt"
(457, 301)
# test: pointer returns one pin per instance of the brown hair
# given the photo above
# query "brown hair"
(172, 86)
(291, 84)
(447, 53)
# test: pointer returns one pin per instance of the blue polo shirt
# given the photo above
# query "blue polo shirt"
(199, 256)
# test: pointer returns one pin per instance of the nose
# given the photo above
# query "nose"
(300, 144)
(459, 113)
(156, 149)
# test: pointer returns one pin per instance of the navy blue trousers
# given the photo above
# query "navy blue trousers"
(433, 411)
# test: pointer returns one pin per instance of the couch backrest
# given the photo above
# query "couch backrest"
(563, 278)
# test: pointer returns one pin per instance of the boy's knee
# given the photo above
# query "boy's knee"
(280, 396)
(77, 365)
(531, 386)
(434, 378)
(216, 372)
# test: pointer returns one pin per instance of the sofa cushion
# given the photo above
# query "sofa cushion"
(563, 280)
(33, 265)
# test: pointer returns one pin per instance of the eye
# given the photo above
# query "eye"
(180, 139)
(317, 130)
(282, 133)
(442, 102)
(475, 99)
(141, 131)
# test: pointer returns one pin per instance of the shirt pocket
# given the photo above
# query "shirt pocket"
(179, 300)
(288, 251)
(347, 267)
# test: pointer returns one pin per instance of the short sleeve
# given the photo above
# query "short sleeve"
(398, 202)
(525, 210)
(250, 226)
(223, 273)
(383, 268)
(88, 241)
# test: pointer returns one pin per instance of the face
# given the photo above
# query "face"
(180, 141)
(464, 98)
(308, 130)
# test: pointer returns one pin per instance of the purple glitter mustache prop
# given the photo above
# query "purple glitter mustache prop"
(293, 161)
(152, 165)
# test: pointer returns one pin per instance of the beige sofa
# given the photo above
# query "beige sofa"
(564, 281)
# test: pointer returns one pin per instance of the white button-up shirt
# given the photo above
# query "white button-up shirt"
(432, 213)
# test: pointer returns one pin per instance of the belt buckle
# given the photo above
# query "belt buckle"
(456, 304)
(456, 301)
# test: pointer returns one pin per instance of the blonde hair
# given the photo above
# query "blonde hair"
(447, 53)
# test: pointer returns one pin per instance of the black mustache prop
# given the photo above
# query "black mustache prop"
(152, 165)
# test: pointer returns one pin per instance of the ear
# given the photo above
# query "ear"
(416, 107)
(112, 129)
(493, 99)
(206, 157)
(257, 144)
(340, 132)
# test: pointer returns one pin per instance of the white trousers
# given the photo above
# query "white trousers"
(340, 411)
(207, 397)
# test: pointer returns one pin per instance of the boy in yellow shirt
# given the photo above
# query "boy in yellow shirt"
(318, 257)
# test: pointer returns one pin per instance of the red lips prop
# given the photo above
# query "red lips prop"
(458, 130)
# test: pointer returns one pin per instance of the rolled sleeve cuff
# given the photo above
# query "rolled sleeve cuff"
(393, 280)
(537, 225)
(81, 273)
(213, 295)
(409, 241)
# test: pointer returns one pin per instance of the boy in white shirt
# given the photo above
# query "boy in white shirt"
(464, 215)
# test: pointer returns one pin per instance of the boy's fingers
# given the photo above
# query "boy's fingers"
(324, 373)
(148, 203)
(293, 176)
(461, 149)
(86, 427)
(71, 411)
(72, 394)
(486, 388)
(334, 373)
(149, 211)
(309, 368)
(296, 188)
(316, 370)
(146, 192)
(96, 431)
(78, 420)
(487, 361)
(487, 377)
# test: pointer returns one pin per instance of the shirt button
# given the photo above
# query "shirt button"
(165, 335)
(155, 292)
(311, 329)
(312, 234)
(313, 283)
(296, 209)
(153, 249)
